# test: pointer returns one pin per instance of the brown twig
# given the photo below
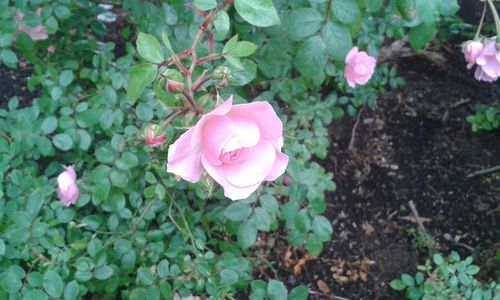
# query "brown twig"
(417, 217)
(482, 20)
(172, 117)
(355, 127)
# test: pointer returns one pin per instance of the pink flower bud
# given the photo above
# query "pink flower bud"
(174, 86)
(472, 50)
(67, 189)
(51, 49)
(154, 135)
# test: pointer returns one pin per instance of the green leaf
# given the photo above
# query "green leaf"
(421, 35)
(103, 272)
(472, 270)
(49, 125)
(337, 39)
(66, 77)
(243, 49)
(140, 76)
(407, 279)
(144, 276)
(205, 4)
(35, 295)
(322, 228)
(221, 24)
(53, 284)
(234, 61)
(346, 11)
(302, 23)
(62, 141)
(128, 161)
(24, 42)
(311, 57)
(426, 10)
(237, 211)
(261, 219)
(261, 13)
(228, 277)
(243, 76)
(269, 203)
(448, 7)
(144, 112)
(397, 285)
(149, 48)
(314, 245)
(163, 268)
(10, 282)
(299, 293)
(2, 248)
(71, 290)
(276, 290)
(62, 12)
(8, 57)
(438, 259)
(247, 234)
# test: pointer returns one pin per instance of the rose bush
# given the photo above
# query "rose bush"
(239, 146)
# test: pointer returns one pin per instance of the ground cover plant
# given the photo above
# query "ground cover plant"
(222, 150)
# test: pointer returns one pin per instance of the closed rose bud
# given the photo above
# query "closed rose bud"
(472, 50)
(51, 49)
(286, 180)
(154, 135)
(174, 86)
(67, 189)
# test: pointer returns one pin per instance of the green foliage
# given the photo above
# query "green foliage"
(136, 232)
(486, 118)
(450, 278)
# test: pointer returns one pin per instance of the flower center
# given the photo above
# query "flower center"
(230, 156)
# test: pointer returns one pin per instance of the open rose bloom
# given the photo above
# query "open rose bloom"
(37, 33)
(239, 146)
(67, 189)
(359, 67)
(487, 58)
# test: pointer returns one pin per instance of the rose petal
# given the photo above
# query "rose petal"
(279, 166)
(351, 55)
(263, 114)
(230, 191)
(246, 134)
(253, 166)
(218, 111)
(185, 160)
(216, 132)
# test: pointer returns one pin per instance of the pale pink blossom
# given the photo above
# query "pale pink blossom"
(177, 297)
(67, 189)
(239, 146)
(471, 50)
(488, 62)
(359, 67)
(37, 33)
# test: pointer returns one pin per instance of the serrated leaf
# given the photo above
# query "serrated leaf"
(247, 234)
(261, 13)
(302, 23)
(337, 39)
(53, 284)
(140, 76)
(149, 48)
(397, 285)
(346, 11)
(311, 57)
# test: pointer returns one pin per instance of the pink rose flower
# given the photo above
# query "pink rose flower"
(37, 33)
(488, 62)
(51, 49)
(472, 50)
(67, 189)
(239, 146)
(359, 67)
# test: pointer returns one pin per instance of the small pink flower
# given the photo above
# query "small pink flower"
(177, 297)
(472, 50)
(155, 135)
(239, 146)
(488, 62)
(51, 49)
(359, 67)
(67, 189)
(37, 33)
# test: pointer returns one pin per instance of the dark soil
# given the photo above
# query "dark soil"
(417, 146)
(14, 84)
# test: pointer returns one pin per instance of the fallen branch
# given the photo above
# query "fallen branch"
(484, 172)
(418, 219)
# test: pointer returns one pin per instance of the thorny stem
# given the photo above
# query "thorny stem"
(481, 21)
(199, 82)
(495, 15)
(172, 117)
